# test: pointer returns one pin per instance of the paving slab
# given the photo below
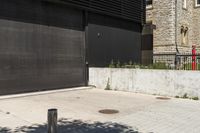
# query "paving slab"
(78, 112)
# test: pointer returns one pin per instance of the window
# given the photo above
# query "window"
(197, 3)
(149, 3)
(184, 4)
(184, 35)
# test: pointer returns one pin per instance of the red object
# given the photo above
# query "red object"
(194, 58)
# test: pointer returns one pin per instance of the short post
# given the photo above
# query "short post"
(52, 121)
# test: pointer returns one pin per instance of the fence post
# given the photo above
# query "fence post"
(177, 61)
(194, 63)
(52, 121)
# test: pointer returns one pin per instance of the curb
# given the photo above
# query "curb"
(43, 92)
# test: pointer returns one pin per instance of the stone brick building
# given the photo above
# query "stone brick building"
(177, 25)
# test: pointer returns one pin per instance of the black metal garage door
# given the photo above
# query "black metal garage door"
(41, 46)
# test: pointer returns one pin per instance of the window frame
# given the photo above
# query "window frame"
(197, 4)
(184, 4)
(149, 6)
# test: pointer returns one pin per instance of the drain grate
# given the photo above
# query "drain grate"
(108, 111)
(163, 98)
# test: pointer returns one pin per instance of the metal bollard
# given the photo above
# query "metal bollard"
(52, 120)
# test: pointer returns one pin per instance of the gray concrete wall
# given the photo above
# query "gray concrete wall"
(159, 82)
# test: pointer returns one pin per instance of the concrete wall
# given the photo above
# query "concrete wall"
(159, 82)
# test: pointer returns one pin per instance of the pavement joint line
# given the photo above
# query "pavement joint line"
(12, 96)
(19, 118)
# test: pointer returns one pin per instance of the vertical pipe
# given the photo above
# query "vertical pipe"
(176, 24)
(176, 41)
(52, 121)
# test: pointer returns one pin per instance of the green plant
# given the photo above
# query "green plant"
(160, 65)
(177, 97)
(188, 66)
(130, 63)
(112, 64)
(185, 96)
(118, 65)
(150, 66)
(195, 98)
(108, 85)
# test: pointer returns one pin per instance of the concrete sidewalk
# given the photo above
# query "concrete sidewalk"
(78, 113)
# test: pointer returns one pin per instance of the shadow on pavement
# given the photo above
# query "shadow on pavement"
(74, 126)
(5, 130)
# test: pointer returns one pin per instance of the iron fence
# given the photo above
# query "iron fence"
(184, 61)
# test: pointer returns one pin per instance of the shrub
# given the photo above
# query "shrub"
(112, 65)
(195, 98)
(108, 85)
(118, 65)
(185, 96)
(160, 65)
(177, 97)
(130, 64)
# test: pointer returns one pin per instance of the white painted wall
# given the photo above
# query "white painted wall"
(159, 82)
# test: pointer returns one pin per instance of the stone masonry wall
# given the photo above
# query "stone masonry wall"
(163, 15)
(184, 18)
(196, 27)
(164, 19)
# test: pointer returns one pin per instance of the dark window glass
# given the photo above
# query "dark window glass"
(149, 2)
(198, 2)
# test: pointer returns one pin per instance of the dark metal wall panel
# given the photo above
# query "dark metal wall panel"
(147, 37)
(147, 42)
(109, 21)
(40, 52)
(41, 12)
(111, 43)
(127, 9)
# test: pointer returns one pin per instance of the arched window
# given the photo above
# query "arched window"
(184, 35)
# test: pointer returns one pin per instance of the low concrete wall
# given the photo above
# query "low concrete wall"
(159, 82)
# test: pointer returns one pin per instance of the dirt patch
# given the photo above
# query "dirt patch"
(109, 111)
(163, 98)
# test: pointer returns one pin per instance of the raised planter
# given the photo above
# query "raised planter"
(157, 82)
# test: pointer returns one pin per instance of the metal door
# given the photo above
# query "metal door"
(41, 47)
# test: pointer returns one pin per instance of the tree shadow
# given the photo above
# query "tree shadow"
(5, 130)
(75, 126)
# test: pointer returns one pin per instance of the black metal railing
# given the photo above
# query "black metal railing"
(184, 61)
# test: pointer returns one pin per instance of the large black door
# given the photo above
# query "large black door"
(41, 46)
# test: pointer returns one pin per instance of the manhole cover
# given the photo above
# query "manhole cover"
(108, 111)
(163, 98)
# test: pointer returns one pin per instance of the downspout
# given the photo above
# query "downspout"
(176, 24)
(177, 59)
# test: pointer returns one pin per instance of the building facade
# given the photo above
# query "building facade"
(49, 44)
(176, 25)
